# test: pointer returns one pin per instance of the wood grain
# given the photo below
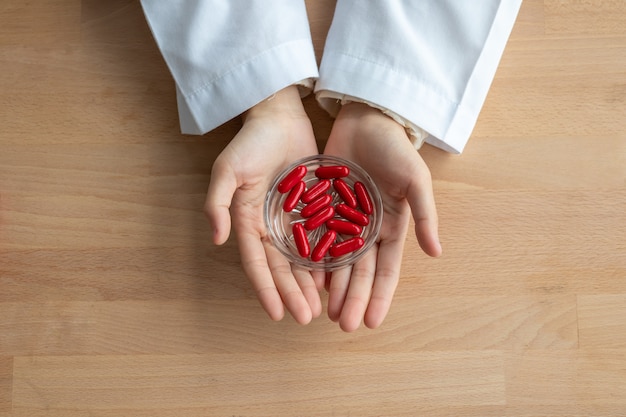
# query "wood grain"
(113, 302)
(276, 385)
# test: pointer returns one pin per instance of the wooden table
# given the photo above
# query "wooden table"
(114, 303)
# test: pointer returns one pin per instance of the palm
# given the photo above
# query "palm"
(256, 155)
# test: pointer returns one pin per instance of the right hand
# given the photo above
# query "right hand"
(275, 133)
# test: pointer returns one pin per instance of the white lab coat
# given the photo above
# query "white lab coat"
(427, 63)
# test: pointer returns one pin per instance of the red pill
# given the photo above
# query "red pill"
(291, 179)
(322, 246)
(302, 242)
(294, 196)
(332, 171)
(353, 215)
(363, 197)
(345, 192)
(319, 218)
(316, 205)
(315, 191)
(345, 247)
(344, 227)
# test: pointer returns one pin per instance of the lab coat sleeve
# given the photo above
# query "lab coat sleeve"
(227, 56)
(428, 62)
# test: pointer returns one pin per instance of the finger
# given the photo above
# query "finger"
(287, 285)
(319, 278)
(387, 276)
(327, 278)
(421, 198)
(337, 290)
(219, 197)
(255, 266)
(309, 289)
(358, 296)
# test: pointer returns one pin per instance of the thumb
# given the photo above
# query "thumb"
(219, 197)
(422, 202)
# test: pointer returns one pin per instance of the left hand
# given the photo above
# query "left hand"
(379, 145)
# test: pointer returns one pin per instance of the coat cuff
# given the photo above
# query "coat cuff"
(213, 104)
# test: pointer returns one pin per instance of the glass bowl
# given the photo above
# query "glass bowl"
(280, 223)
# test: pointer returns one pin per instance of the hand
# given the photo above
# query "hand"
(378, 144)
(275, 133)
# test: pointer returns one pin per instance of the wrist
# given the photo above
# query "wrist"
(368, 111)
(284, 102)
(365, 115)
(358, 109)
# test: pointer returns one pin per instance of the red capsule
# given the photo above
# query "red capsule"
(291, 179)
(353, 215)
(322, 246)
(315, 191)
(332, 171)
(345, 192)
(363, 197)
(345, 247)
(344, 227)
(319, 218)
(302, 242)
(294, 196)
(316, 205)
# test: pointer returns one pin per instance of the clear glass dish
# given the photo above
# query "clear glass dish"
(280, 222)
